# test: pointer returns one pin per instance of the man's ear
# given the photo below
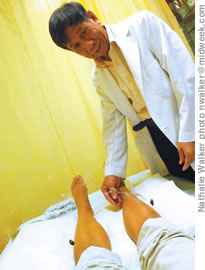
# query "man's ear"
(92, 16)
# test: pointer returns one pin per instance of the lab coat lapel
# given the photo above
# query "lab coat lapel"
(113, 91)
(130, 49)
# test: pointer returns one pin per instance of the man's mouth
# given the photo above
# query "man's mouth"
(95, 51)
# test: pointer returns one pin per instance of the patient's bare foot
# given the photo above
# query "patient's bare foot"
(80, 195)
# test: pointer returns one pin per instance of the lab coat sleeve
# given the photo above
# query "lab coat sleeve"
(175, 59)
(115, 137)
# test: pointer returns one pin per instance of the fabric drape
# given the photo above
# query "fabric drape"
(49, 111)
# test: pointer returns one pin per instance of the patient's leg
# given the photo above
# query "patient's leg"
(135, 213)
(88, 231)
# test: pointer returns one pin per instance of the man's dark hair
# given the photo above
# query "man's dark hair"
(67, 15)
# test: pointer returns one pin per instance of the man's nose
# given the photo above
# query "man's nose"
(89, 45)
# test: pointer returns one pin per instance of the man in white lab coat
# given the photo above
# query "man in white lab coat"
(142, 72)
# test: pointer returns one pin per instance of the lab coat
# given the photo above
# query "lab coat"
(164, 73)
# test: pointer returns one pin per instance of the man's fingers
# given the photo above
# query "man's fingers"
(110, 188)
(116, 196)
(109, 197)
(189, 158)
(186, 152)
(186, 165)
(113, 201)
(114, 193)
(181, 156)
(112, 196)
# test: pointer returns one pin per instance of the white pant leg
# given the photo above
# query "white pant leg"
(162, 245)
(97, 258)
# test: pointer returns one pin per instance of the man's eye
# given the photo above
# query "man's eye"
(83, 33)
(77, 45)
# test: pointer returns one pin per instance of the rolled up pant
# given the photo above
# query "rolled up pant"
(161, 245)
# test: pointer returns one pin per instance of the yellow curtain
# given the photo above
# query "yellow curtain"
(49, 111)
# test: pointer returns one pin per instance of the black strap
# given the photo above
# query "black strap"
(139, 126)
(142, 124)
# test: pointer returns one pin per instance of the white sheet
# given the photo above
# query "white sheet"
(45, 244)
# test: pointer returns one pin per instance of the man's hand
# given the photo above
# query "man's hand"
(186, 152)
(110, 189)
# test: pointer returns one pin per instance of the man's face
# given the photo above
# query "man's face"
(88, 38)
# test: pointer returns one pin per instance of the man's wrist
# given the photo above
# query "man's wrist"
(115, 176)
(115, 171)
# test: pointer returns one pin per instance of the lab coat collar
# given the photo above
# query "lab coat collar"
(129, 47)
(114, 31)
